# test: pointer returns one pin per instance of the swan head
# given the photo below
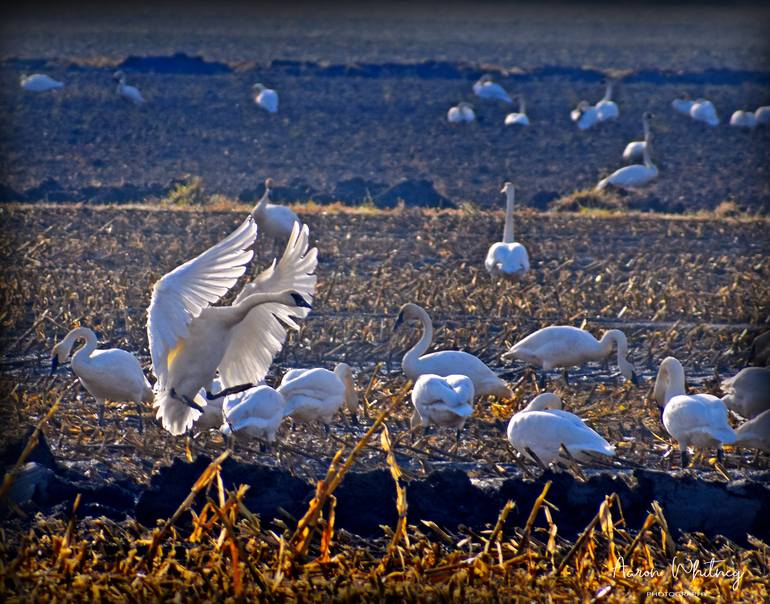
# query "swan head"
(464, 105)
(546, 400)
(119, 76)
(485, 78)
(268, 184)
(258, 87)
(648, 115)
(508, 187)
(408, 311)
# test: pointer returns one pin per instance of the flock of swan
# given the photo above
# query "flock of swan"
(210, 359)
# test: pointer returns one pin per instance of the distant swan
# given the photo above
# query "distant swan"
(274, 220)
(266, 98)
(543, 428)
(743, 119)
(108, 375)
(683, 104)
(696, 420)
(748, 392)
(462, 112)
(755, 433)
(257, 413)
(520, 118)
(634, 151)
(585, 115)
(606, 108)
(763, 114)
(703, 110)
(39, 82)
(507, 259)
(485, 88)
(635, 175)
(442, 401)
(316, 394)
(130, 93)
(446, 362)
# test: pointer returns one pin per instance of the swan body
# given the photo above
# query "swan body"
(748, 392)
(266, 98)
(39, 82)
(743, 119)
(683, 105)
(693, 420)
(763, 114)
(563, 346)
(485, 88)
(755, 433)
(314, 394)
(212, 415)
(634, 151)
(585, 115)
(543, 427)
(703, 110)
(446, 362)
(112, 374)
(519, 118)
(190, 340)
(606, 108)
(507, 258)
(130, 93)
(256, 413)
(635, 175)
(462, 112)
(443, 401)
(275, 221)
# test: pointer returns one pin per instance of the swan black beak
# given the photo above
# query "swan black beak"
(300, 301)
(54, 364)
(399, 320)
(634, 378)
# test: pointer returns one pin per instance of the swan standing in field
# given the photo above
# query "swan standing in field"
(190, 340)
(507, 258)
(543, 427)
(462, 112)
(266, 98)
(39, 82)
(743, 119)
(108, 375)
(683, 104)
(485, 88)
(316, 394)
(519, 118)
(275, 221)
(442, 401)
(446, 362)
(763, 114)
(130, 93)
(256, 413)
(755, 433)
(563, 346)
(635, 175)
(703, 110)
(585, 115)
(634, 151)
(697, 420)
(606, 108)
(748, 392)
(760, 349)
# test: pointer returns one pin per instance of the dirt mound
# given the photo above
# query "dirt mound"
(418, 192)
(179, 63)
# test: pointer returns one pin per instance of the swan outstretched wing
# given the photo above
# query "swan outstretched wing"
(262, 333)
(180, 296)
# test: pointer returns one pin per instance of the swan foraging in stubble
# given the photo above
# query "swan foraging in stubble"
(755, 433)
(211, 418)
(635, 175)
(748, 392)
(190, 340)
(606, 108)
(543, 427)
(703, 110)
(266, 98)
(274, 220)
(507, 258)
(518, 118)
(763, 114)
(318, 394)
(634, 150)
(563, 346)
(255, 413)
(683, 104)
(462, 112)
(743, 119)
(485, 88)
(585, 115)
(446, 402)
(130, 93)
(693, 420)
(446, 362)
(108, 375)
(39, 82)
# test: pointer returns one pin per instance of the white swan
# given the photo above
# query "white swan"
(130, 93)
(606, 108)
(683, 104)
(211, 418)
(275, 221)
(519, 118)
(266, 98)
(763, 114)
(755, 433)
(635, 175)
(462, 112)
(442, 401)
(485, 88)
(703, 110)
(257, 413)
(634, 151)
(39, 82)
(743, 119)
(507, 258)
(697, 420)
(314, 394)
(109, 375)
(542, 427)
(446, 362)
(190, 340)
(563, 346)
(748, 392)
(585, 115)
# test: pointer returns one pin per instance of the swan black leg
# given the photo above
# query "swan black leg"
(720, 455)
(139, 412)
(543, 379)
(685, 458)
(354, 419)
(100, 412)
(565, 374)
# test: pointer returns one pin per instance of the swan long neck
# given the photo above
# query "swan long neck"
(510, 197)
(522, 105)
(669, 381)
(73, 336)
(608, 93)
(646, 150)
(546, 400)
(615, 337)
(345, 373)
(646, 125)
(232, 315)
(262, 203)
(411, 358)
